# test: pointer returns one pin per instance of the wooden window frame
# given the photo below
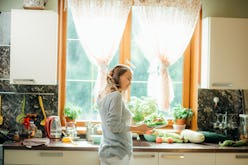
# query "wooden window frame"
(191, 76)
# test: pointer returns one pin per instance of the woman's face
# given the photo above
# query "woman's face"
(125, 80)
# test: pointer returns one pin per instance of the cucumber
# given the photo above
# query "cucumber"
(213, 137)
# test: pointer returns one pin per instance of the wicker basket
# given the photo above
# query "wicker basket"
(34, 4)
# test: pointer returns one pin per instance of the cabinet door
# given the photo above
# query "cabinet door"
(144, 158)
(224, 53)
(43, 157)
(21, 157)
(52, 157)
(33, 53)
(81, 158)
(231, 158)
(187, 158)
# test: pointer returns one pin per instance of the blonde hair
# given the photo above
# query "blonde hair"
(113, 78)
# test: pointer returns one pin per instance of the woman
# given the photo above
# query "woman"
(116, 145)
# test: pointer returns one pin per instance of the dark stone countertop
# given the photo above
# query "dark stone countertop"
(83, 145)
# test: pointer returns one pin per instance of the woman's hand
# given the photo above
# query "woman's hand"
(140, 129)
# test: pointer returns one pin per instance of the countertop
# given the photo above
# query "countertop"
(83, 145)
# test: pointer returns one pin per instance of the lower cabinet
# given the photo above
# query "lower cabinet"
(162, 158)
(57, 157)
(41, 157)
(231, 158)
(186, 158)
(81, 158)
(144, 158)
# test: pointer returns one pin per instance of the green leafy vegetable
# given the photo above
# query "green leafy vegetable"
(142, 107)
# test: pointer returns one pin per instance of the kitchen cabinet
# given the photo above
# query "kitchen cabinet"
(81, 158)
(224, 53)
(231, 158)
(33, 49)
(144, 158)
(37, 157)
(186, 158)
(175, 158)
(45, 157)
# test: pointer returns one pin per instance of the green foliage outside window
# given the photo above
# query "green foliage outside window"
(81, 75)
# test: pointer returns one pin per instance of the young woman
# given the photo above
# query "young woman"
(116, 144)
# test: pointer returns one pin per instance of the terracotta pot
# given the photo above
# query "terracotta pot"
(180, 121)
(67, 119)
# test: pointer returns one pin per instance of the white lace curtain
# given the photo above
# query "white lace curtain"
(166, 29)
(100, 25)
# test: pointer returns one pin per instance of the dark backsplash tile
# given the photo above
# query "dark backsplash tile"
(230, 104)
(4, 61)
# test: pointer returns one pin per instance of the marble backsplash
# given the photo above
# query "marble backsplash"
(12, 95)
(218, 110)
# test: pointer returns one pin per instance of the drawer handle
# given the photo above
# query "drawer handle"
(222, 84)
(172, 156)
(144, 156)
(22, 164)
(24, 81)
(51, 154)
(241, 156)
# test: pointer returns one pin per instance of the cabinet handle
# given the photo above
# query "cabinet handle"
(24, 81)
(172, 156)
(51, 154)
(222, 84)
(21, 164)
(144, 156)
(241, 156)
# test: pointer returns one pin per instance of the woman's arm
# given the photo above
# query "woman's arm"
(141, 129)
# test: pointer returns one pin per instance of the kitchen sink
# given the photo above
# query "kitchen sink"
(141, 143)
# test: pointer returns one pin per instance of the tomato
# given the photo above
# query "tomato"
(159, 140)
(170, 140)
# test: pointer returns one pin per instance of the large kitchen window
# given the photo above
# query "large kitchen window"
(81, 74)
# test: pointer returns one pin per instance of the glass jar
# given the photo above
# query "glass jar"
(243, 126)
(71, 129)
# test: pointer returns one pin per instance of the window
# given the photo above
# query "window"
(81, 74)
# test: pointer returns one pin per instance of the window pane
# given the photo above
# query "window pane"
(78, 66)
(81, 74)
(140, 77)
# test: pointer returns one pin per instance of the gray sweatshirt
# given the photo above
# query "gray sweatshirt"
(115, 121)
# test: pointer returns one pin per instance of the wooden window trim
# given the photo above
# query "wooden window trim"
(192, 57)
(62, 33)
(192, 72)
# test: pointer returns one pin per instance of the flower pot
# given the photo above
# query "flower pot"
(67, 119)
(180, 121)
(179, 127)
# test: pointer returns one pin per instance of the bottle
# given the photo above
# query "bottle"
(16, 136)
(32, 129)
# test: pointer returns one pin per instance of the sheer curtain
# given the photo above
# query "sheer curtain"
(166, 29)
(100, 25)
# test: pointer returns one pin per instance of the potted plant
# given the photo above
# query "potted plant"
(182, 115)
(141, 108)
(71, 112)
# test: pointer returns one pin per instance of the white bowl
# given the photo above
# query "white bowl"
(178, 127)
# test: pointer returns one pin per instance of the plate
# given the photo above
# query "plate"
(158, 126)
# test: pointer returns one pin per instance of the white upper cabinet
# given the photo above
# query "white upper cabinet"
(224, 53)
(33, 53)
